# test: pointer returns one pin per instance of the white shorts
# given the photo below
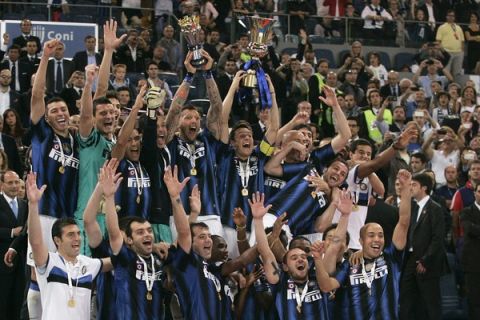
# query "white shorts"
(46, 222)
(212, 221)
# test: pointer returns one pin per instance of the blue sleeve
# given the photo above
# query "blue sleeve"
(393, 253)
(342, 272)
(216, 147)
(122, 258)
(291, 170)
(39, 130)
(322, 156)
(181, 260)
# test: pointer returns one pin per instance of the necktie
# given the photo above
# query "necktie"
(59, 79)
(415, 215)
(80, 92)
(13, 205)
(14, 77)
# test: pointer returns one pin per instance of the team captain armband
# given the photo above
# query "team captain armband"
(266, 148)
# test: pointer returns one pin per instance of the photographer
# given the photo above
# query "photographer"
(433, 67)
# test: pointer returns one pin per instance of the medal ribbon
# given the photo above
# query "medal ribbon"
(63, 158)
(137, 180)
(71, 293)
(243, 171)
(300, 298)
(148, 281)
(368, 282)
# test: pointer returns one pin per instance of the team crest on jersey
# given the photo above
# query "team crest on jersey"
(363, 186)
(359, 278)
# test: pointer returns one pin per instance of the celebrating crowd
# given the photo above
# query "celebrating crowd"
(124, 198)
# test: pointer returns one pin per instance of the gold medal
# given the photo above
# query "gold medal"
(138, 199)
(149, 296)
(193, 172)
(314, 194)
(61, 169)
(71, 303)
(245, 192)
(299, 309)
(219, 296)
(355, 207)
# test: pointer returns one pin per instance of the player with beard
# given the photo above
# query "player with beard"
(139, 272)
(198, 284)
(297, 295)
(240, 165)
(292, 159)
(373, 284)
(193, 151)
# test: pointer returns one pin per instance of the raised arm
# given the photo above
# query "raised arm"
(341, 124)
(325, 282)
(38, 91)
(118, 150)
(274, 167)
(173, 116)
(274, 116)
(86, 110)
(109, 182)
(195, 201)
(175, 187)
(300, 118)
(111, 42)
(214, 115)
(427, 144)
(381, 160)
(240, 221)
(269, 263)
(399, 238)
(103, 189)
(35, 237)
(227, 106)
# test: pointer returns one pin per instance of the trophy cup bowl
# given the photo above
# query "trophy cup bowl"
(260, 34)
(190, 26)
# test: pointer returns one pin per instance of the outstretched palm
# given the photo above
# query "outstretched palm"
(256, 204)
(110, 39)
(317, 249)
(33, 193)
(330, 97)
(171, 181)
(344, 204)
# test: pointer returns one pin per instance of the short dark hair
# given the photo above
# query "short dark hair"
(53, 100)
(128, 228)
(353, 118)
(57, 227)
(332, 227)
(99, 101)
(297, 238)
(421, 156)
(424, 180)
(239, 125)
(88, 37)
(302, 126)
(201, 225)
(360, 142)
(14, 47)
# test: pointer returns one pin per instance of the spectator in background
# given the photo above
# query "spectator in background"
(336, 8)
(73, 92)
(299, 11)
(421, 30)
(433, 67)
(162, 10)
(8, 97)
(213, 38)
(350, 85)
(88, 56)
(392, 87)
(31, 56)
(120, 79)
(375, 16)
(145, 43)
(154, 81)
(132, 13)
(59, 71)
(172, 47)
(131, 56)
(208, 9)
(12, 126)
(450, 35)
(472, 34)
(10, 156)
(159, 57)
(430, 10)
(379, 71)
(21, 71)
(21, 40)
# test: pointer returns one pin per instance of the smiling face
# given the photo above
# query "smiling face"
(372, 240)
(141, 240)
(69, 242)
(57, 116)
(189, 124)
(105, 118)
(296, 264)
(362, 154)
(202, 242)
(220, 249)
(134, 145)
(336, 174)
(242, 142)
(161, 132)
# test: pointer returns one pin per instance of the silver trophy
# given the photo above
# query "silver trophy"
(190, 26)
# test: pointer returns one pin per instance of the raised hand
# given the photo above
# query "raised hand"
(256, 204)
(239, 217)
(254, 275)
(195, 200)
(301, 117)
(110, 40)
(319, 184)
(50, 46)
(108, 180)
(91, 71)
(317, 249)
(238, 78)
(33, 193)
(171, 181)
(209, 64)
(344, 204)
(405, 137)
(330, 97)
(404, 178)
(279, 223)
(187, 63)
(139, 100)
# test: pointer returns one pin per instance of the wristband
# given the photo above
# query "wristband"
(241, 227)
(189, 77)
(208, 74)
(242, 240)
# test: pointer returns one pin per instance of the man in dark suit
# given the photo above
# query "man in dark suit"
(21, 71)
(425, 259)
(83, 58)
(21, 41)
(73, 94)
(31, 56)
(59, 71)
(470, 259)
(13, 215)
(131, 55)
(224, 81)
(432, 6)
(391, 88)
